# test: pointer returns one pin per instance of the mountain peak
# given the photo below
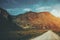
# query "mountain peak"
(39, 13)
(4, 13)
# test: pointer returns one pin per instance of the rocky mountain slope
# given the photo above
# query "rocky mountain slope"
(41, 21)
(6, 22)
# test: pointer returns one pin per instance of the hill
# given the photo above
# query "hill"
(40, 21)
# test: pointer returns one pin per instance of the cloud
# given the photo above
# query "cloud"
(27, 9)
(54, 9)
(43, 8)
(57, 7)
(47, 8)
(55, 12)
(14, 11)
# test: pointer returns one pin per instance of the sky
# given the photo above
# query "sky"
(15, 7)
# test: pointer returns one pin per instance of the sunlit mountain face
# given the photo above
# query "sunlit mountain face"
(38, 21)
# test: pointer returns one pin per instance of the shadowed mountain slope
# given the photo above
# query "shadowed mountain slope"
(7, 26)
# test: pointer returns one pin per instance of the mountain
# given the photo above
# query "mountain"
(49, 35)
(40, 21)
(7, 26)
(6, 22)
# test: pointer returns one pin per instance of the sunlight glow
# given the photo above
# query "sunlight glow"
(55, 13)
